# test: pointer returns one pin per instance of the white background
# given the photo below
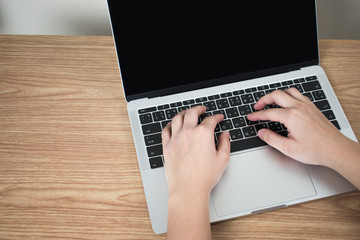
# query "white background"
(54, 17)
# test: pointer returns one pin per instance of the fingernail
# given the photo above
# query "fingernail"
(227, 134)
(261, 133)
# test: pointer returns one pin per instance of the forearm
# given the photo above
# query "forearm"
(188, 217)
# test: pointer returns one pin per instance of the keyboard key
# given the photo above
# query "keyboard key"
(260, 126)
(251, 122)
(275, 126)
(244, 144)
(159, 116)
(155, 150)
(217, 128)
(247, 98)
(286, 83)
(156, 162)
(146, 110)
(205, 115)
(264, 87)
(258, 95)
(275, 85)
(220, 112)
(311, 86)
(162, 107)
(283, 133)
(164, 123)
(244, 110)
(299, 80)
(309, 96)
(196, 104)
(322, 105)
(227, 94)
(183, 108)
(236, 134)
(170, 113)
(269, 91)
(298, 87)
(151, 128)
(239, 122)
(235, 101)
(249, 90)
(222, 103)
(249, 131)
(213, 97)
(311, 78)
(188, 102)
(210, 106)
(329, 114)
(319, 95)
(226, 125)
(252, 107)
(336, 124)
(145, 118)
(176, 104)
(238, 92)
(152, 139)
(216, 137)
(202, 99)
(271, 106)
(232, 112)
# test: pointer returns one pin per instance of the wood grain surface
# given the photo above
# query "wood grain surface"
(68, 167)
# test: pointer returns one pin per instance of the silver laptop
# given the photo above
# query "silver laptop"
(174, 56)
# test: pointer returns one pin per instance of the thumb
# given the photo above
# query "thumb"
(224, 146)
(275, 140)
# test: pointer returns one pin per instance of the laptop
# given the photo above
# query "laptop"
(225, 56)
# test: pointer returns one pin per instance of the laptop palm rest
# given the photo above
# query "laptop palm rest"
(260, 179)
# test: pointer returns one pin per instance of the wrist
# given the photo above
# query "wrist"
(347, 151)
(189, 189)
(347, 162)
(189, 196)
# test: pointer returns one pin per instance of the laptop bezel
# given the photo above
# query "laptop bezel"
(212, 82)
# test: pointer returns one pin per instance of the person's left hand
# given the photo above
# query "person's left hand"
(193, 164)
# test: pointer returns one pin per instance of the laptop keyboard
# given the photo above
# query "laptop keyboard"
(234, 106)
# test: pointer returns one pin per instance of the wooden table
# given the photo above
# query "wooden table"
(68, 167)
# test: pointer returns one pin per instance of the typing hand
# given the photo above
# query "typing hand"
(312, 138)
(192, 162)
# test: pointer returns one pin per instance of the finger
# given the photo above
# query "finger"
(192, 116)
(166, 134)
(223, 147)
(272, 114)
(212, 121)
(293, 92)
(278, 97)
(281, 143)
(177, 123)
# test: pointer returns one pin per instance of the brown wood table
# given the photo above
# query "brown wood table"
(68, 167)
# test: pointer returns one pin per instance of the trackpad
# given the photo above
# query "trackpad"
(260, 179)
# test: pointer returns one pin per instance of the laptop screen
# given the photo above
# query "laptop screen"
(177, 46)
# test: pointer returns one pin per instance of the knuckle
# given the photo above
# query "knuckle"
(202, 128)
(292, 90)
(177, 117)
(293, 114)
(277, 93)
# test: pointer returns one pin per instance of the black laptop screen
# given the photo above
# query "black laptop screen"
(177, 46)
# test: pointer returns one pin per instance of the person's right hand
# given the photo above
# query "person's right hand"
(312, 139)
